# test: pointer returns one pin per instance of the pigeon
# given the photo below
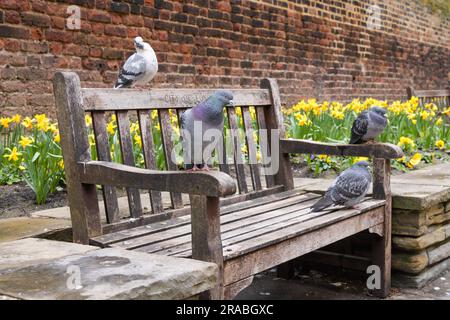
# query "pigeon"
(349, 188)
(140, 67)
(368, 125)
(194, 123)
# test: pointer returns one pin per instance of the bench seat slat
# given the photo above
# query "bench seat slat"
(238, 217)
(238, 241)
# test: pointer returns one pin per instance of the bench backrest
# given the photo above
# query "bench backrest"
(138, 112)
(439, 97)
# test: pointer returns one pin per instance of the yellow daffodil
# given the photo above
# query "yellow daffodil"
(357, 159)
(424, 114)
(88, 120)
(324, 157)
(440, 144)
(406, 142)
(16, 118)
(138, 140)
(57, 138)
(439, 121)
(91, 138)
(42, 122)
(27, 123)
(302, 120)
(111, 127)
(154, 114)
(4, 122)
(402, 159)
(61, 163)
(14, 155)
(25, 141)
(414, 160)
(21, 168)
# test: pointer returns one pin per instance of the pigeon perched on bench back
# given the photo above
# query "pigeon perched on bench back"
(140, 67)
(194, 124)
(349, 188)
(368, 125)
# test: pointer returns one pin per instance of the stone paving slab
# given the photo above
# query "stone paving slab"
(23, 227)
(32, 251)
(111, 273)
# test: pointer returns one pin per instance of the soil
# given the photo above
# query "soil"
(18, 200)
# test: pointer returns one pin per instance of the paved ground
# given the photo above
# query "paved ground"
(315, 285)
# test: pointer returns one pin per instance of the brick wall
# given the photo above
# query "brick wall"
(317, 49)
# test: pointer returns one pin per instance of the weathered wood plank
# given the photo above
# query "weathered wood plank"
(265, 150)
(274, 122)
(232, 290)
(173, 213)
(206, 241)
(214, 183)
(234, 220)
(251, 148)
(148, 148)
(382, 245)
(134, 99)
(103, 154)
(257, 242)
(244, 229)
(166, 135)
(126, 145)
(83, 202)
(427, 93)
(238, 159)
(379, 150)
(288, 248)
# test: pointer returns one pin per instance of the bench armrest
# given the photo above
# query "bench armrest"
(376, 150)
(211, 184)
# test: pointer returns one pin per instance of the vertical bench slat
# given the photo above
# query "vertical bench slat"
(145, 124)
(166, 135)
(123, 123)
(240, 172)
(265, 154)
(222, 156)
(103, 154)
(251, 147)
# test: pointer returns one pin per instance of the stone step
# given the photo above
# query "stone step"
(43, 269)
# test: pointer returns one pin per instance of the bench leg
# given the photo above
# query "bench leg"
(382, 259)
(206, 241)
(382, 244)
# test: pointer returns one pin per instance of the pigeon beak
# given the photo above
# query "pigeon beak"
(231, 103)
(139, 45)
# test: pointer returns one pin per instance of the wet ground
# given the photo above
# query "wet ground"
(316, 285)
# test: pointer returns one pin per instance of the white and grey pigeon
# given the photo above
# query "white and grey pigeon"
(140, 67)
(368, 125)
(195, 122)
(349, 188)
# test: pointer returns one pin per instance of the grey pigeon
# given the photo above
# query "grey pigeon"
(368, 125)
(140, 67)
(195, 122)
(349, 188)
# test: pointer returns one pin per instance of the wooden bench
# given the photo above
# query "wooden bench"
(266, 223)
(440, 97)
